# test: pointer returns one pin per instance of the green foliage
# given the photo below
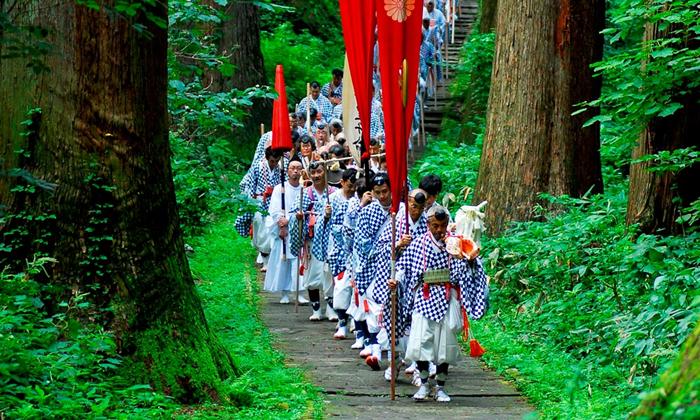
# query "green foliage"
(21, 40)
(53, 366)
(130, 10)
(653, 78)
(207, 160)
(230, 292)
(671, 161)
(305, 58)
(471, 84)
(320, 17)
(456, 174)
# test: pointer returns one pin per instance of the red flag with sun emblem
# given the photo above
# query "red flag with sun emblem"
(359, 23)
(399, 34)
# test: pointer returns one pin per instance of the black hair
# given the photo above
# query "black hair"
(420, 197)
(295, 136)
(337, 125)
(350, 175)
(337, 72)
(380, 178)
(313, 112)
(361, 186)
(270, 152)
(300, 115)
(337, 150)
(316, 164)
(315, 85)
(307, 139)
(374, 142)
(440, 214)
(431, 184)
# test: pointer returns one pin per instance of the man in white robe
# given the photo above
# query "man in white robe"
(282, 271)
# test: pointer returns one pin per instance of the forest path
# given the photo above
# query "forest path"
(352, 390)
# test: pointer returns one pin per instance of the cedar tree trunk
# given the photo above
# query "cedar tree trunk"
(102, 138)
(239, 40)
(655, 198)
(540, 72)
(487, 15)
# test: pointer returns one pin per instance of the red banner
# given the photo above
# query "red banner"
(399, 33)
(281, 130)
(359, 22)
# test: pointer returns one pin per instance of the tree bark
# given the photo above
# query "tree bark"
(679, 386)
(655, 198)
(541, 71)
(102, 138)
(487, 15)
(239, 41)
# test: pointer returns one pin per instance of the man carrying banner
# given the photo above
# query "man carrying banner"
(445, 289)
(406, 232)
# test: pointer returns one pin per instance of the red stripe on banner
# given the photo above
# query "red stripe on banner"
(399, 35)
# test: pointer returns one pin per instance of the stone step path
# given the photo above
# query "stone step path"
(353, 391)
(436, 108)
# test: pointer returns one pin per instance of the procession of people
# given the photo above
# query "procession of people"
(397, 273)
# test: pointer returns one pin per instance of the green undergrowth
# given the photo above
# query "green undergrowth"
(585, 312)
(227, 283)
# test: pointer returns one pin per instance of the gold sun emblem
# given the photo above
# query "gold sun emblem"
(399, 10)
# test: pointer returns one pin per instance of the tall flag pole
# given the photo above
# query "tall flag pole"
(359, 21)
(281, 132)
(352, 128)
(399, 36)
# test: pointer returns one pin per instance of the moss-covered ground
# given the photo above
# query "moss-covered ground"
(223, 267)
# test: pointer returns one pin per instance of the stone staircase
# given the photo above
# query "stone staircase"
(436, 108)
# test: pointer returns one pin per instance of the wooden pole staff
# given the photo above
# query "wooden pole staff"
(308, 108)
(284, 212)
(262, 129)
(302, 250)
(392, 392)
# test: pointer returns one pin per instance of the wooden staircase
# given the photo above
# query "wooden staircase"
(437, 107)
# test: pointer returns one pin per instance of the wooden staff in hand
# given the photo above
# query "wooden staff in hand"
(302, 250)
(284, 207)
(392, 362)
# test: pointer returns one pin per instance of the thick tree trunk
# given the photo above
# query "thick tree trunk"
(487, 15)
(655, 198)
(541, 71)
(102, 138)
(240, 42)
(677, 395)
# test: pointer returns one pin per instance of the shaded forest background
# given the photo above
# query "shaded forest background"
(594, 292)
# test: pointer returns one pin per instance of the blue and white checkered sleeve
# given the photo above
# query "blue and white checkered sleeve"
(369, 222)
